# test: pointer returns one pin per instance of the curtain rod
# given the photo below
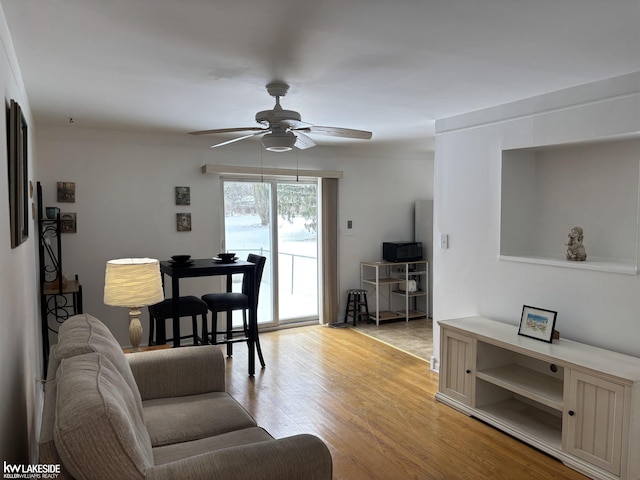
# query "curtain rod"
(270, 171)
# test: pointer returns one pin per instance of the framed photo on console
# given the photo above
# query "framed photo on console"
(537, 323)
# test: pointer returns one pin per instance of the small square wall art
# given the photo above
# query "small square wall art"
(183, 222)
(68, 223)
(67, 192)
(183, 195)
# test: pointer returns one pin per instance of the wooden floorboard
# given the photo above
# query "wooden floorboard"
(374, 407)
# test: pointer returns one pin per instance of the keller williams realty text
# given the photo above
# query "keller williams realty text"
(31, 471)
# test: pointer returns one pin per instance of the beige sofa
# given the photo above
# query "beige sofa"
(161, 414)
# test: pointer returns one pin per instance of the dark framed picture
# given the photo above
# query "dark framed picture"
(68, 223)
(183, 222)
(537, 323)
(67, 192)
(183, 195)
(18, 174)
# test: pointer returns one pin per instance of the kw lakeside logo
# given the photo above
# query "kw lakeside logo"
(30, 471)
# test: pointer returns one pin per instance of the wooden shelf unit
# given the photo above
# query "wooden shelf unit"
(578, 403)
(379, 274)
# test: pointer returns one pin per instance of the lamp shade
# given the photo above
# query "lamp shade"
(133, 282)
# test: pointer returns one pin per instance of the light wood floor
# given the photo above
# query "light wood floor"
(374, 406)
(414, 336)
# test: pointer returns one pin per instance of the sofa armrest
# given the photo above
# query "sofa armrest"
(174, 372)
(292, 458)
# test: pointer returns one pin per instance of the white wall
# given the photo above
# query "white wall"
(598, 308)
(125, 200)
(20, 348)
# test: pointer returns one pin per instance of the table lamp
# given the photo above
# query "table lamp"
(133, 283)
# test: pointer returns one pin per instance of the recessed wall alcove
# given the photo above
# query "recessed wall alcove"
(547, 190)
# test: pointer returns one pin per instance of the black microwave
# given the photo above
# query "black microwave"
(401, 251)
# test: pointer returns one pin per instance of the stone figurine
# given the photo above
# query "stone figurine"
(575, 248)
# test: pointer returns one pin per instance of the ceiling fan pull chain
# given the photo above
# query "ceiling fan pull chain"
(261, 167)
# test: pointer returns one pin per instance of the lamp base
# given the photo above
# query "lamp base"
(135, 329)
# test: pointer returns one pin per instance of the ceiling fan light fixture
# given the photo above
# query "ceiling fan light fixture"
(279, 141)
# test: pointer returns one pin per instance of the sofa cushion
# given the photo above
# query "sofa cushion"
(182, 419)
(99, 427)
(46, 444)
(178, 451)
(84, 333)
(47, 448)
(291, 458)
(52, 365)
(177, 372)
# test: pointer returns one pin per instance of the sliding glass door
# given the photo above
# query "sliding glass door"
(278, 220)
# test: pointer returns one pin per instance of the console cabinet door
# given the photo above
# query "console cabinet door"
(594, 416)
(456, 373)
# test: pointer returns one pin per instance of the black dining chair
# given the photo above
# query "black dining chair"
(188, 306)
(229, 302)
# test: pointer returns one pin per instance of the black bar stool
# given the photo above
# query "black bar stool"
(356, 302)
(188, 306)
(230, 301)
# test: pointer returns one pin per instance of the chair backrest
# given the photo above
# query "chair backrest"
(259, 260)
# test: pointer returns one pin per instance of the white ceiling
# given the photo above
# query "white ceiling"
(389, 66)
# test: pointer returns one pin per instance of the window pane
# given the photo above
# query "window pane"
(248, 229)
(247, 209)
(297, 251)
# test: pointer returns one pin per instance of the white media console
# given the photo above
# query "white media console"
(578, 403)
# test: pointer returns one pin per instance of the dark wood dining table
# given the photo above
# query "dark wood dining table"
(206, 267)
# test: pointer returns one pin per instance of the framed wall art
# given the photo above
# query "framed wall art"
(67, 192)
(537, 323)
(18, 174)
(183, 195)
(183, 222)
(68, 223)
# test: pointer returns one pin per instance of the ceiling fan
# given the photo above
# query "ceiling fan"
(281, 129)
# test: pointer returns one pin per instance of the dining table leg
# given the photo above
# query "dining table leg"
(253, 323)
(175, 307)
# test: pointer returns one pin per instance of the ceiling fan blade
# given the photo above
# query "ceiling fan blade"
(294, 124)
(233, 140)
(303, 142)
(338, 132)
(228, 130)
